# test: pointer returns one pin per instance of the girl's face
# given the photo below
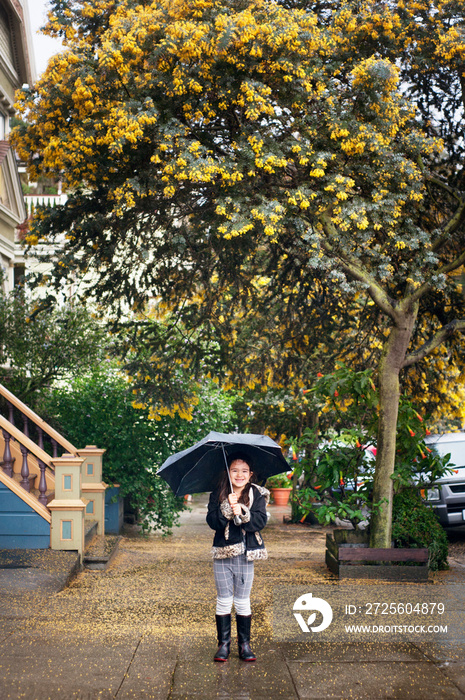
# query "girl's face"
(239, 472)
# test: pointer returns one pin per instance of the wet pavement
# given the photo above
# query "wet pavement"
(144, 628)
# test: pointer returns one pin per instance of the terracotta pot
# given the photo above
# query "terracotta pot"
(281, 496)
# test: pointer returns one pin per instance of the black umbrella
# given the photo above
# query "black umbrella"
(200, 467)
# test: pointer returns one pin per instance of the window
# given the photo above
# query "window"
(6, 48)
(19, 275)
(66, 529)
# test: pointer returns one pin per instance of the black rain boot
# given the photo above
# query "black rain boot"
(223, 628)
(243, 637)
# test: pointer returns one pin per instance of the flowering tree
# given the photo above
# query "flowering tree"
(214, 150)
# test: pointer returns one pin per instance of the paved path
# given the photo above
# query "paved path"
(145, 629)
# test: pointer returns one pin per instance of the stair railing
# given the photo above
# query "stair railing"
(17, 411)
(26, 446)
(72, 480)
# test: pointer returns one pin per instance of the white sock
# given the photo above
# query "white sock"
(224, 606)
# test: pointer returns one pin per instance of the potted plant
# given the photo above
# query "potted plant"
(280, 486)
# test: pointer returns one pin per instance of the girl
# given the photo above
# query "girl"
(237, 519)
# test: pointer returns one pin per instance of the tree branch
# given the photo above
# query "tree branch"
(450, 227)
(438, 338)
(356, 271)
(439, 183)
(426, 286)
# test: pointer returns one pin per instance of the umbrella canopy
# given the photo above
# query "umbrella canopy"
(200, 467)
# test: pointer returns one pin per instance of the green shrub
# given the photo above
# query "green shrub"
(279, 481)
(415, 524)
(98, 409)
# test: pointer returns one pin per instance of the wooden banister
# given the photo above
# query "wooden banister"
(39, 422)
(26, 442)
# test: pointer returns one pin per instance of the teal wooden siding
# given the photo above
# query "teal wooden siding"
(20, 526)
(114, 512)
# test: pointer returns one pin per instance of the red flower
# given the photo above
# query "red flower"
(336, 393)
(419, 417)
(318, 374)
(305, 391)
(357, 444)
(411, 431)
(428, 432)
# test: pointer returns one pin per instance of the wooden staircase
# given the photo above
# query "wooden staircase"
(38, 486)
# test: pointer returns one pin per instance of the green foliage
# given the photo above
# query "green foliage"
(414, 524)
(279, 481)
(39, 346)
(281, 413)
(337, 480)
(337, 465)
(414, 459)
(336, 471)
(353, 506)
(98, 409)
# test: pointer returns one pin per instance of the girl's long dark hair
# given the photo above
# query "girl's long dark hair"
(224, 487)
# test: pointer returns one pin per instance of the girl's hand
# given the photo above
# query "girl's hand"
(236, 509)
(232, 498)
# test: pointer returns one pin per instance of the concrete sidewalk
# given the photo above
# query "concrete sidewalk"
(145, 629)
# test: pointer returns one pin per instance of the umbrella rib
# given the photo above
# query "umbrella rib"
(194, 466)
(217, 446)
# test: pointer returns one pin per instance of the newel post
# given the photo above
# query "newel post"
(68, 507)
(93, 488)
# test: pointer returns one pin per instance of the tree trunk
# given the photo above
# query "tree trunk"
(393, 357)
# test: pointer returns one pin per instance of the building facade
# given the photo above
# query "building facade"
(16, 69)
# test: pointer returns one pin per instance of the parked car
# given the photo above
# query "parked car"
(447, 496)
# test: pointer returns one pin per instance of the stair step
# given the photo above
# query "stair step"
(50, 495)
(101, 551)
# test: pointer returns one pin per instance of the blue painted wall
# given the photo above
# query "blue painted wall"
(114, 512)
(20, 526)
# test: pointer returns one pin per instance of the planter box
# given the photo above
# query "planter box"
(348, 556)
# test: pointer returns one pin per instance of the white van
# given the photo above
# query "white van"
(447, 496)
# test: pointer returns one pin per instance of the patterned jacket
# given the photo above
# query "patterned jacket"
(230, 539)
